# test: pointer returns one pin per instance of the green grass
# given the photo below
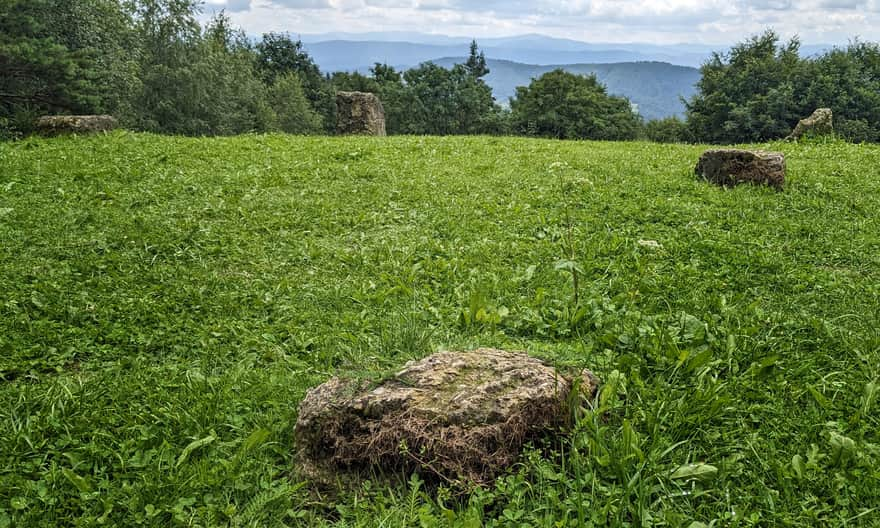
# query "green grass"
(166, 302)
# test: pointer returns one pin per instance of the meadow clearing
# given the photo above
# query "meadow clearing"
(166, 302)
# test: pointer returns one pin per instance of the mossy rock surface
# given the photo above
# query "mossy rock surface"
(359, 113)
(460, 416)
(75, 124)
(730, 167)
(820, 123)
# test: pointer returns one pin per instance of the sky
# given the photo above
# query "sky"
(643, 21)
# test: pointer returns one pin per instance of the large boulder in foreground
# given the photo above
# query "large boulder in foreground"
(359, 113)
(457, 416)
(78, 124)
(731, 167)
(820, 123)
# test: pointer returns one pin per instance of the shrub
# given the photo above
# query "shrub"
(668, 130)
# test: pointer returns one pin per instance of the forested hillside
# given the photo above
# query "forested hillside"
(155, 66)
(656, 87)
(358, 54)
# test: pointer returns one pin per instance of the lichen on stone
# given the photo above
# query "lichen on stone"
(459, 416)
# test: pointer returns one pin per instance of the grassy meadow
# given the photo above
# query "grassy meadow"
(165, 303)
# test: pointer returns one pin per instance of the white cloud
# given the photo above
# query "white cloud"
(231, 6)
(656, 21)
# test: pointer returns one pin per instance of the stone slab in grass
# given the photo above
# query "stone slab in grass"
(729, 167)
(75, 124)
(359, 113)
(457, 416)
(820, 122)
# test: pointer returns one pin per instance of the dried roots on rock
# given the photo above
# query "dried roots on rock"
(460, 417)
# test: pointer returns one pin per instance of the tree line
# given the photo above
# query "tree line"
(762, 87)
(152, 65)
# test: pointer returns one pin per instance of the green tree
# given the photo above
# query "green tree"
(171, 92)
(446, 102)
(40, 74)
(476, 63)
(430, 99)
(102, 31)
(294, 114)
(195, 81)
(760, 90)
(568, 106)
(278, 55)
(235, 99)
(847, 80)
(668, 130)
(397, 99)
(354, 82)
(754, 93)
(383, 73)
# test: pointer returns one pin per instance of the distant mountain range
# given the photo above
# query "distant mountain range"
(349, 55)
(357, 51)
(653, 76)
(656, 87)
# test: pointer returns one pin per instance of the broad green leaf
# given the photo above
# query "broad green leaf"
(192, 447)
(820, 399)
(797, 465)
(255, 439)
(569, 265)
(869, 397)
(694, 471)
(81, 483)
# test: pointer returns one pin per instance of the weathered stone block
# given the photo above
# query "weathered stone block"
(731, 167)
(821, 122)
(359, 113)
(459, 416)
(82, 124)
